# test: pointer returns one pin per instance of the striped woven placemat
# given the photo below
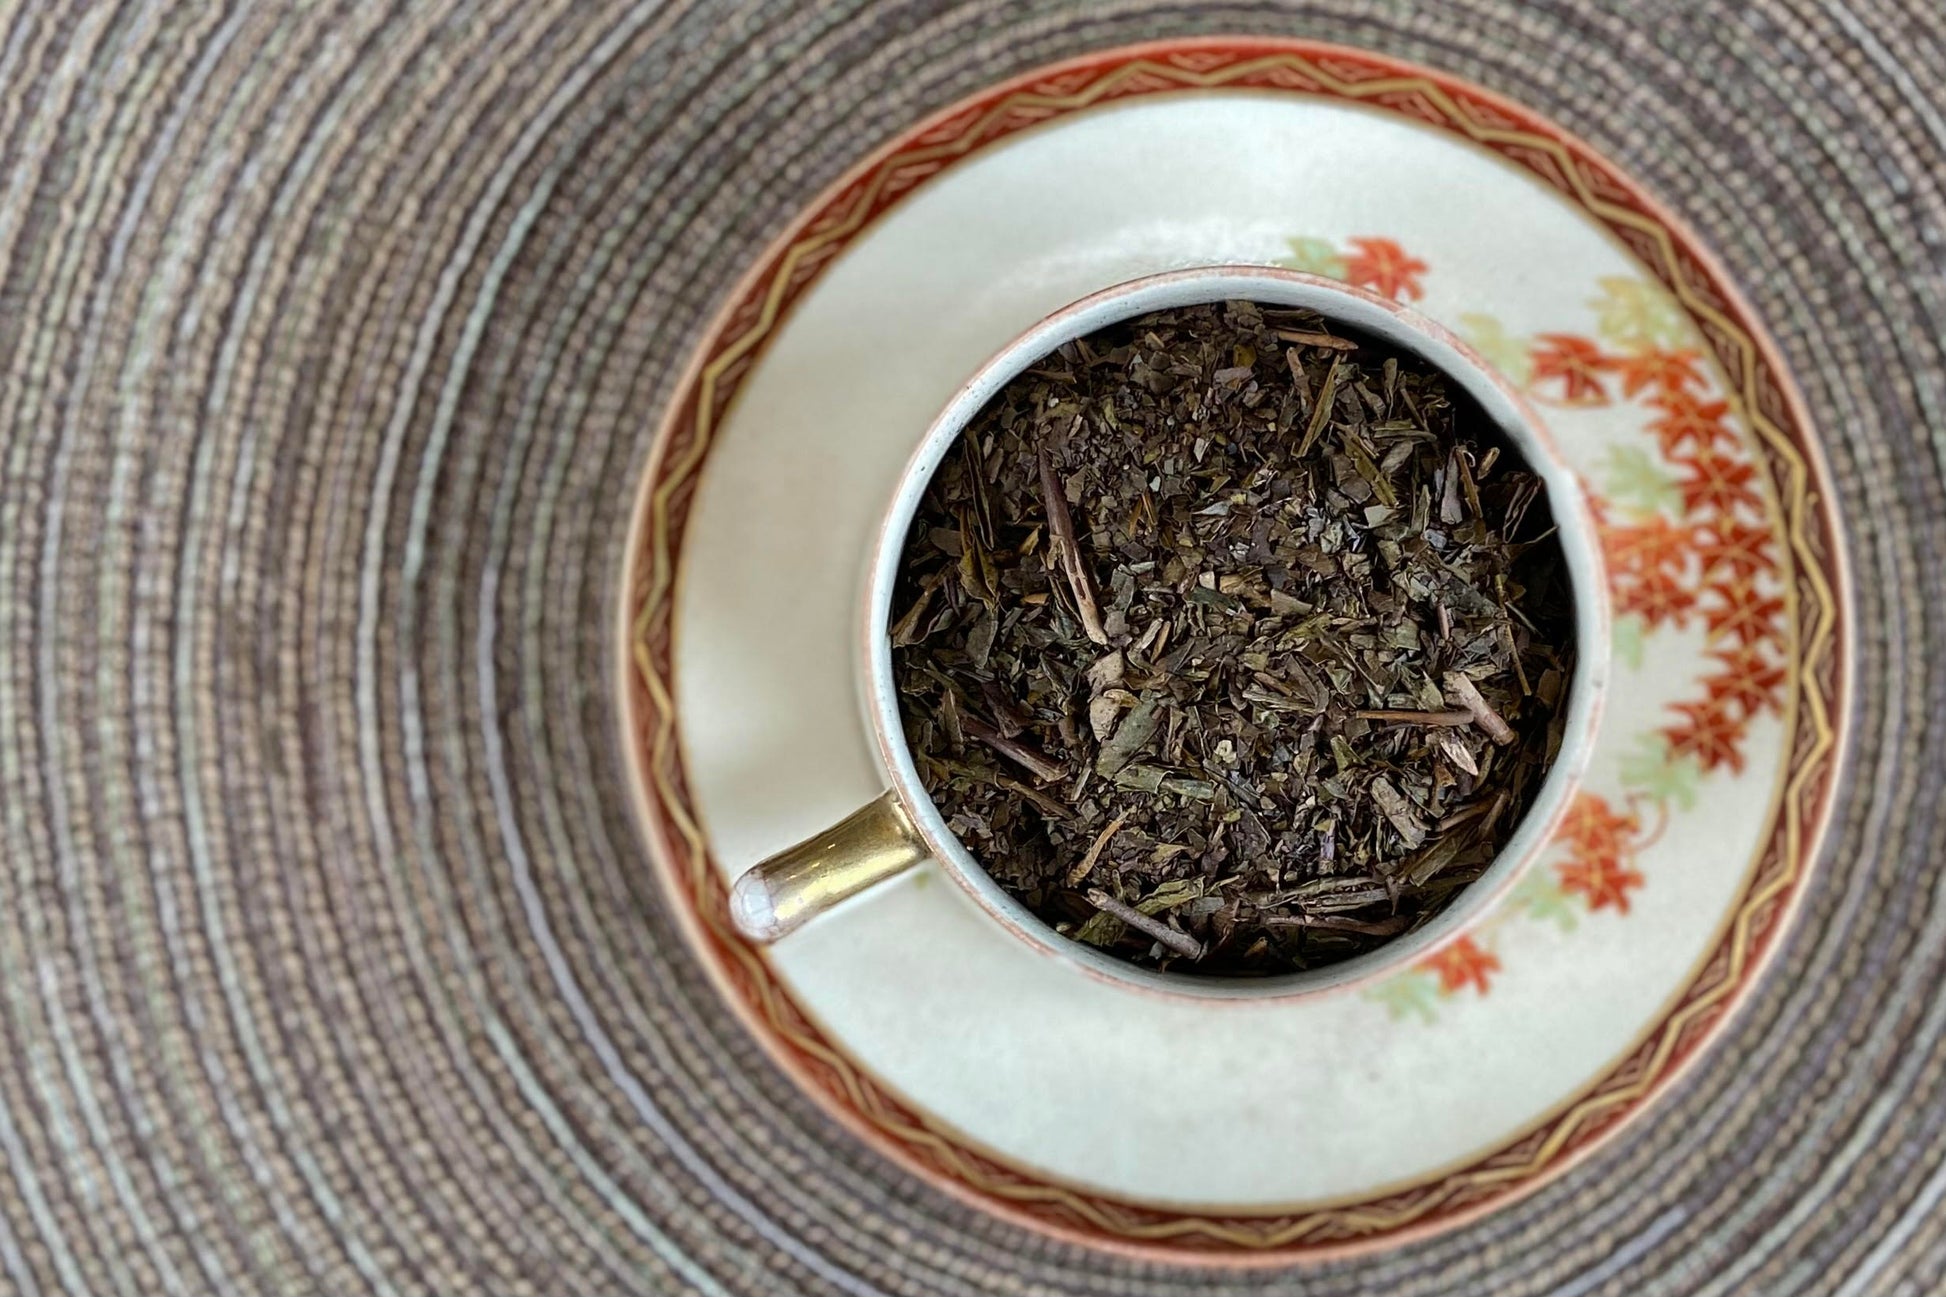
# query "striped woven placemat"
(333, 335)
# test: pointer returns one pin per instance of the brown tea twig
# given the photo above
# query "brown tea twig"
(1027, 758)
(1471, 811)
(1513, 651)
(1500, 801)
(1180, 942)
(1325, 895)
(1086, 865)
(1484, 716)
(1306, 338)
(1370, 927)
(1047, 805)
(1414, 718)
(1067, 552)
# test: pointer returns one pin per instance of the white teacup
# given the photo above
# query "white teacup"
(903, 827)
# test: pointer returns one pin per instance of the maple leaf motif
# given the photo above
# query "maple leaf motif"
(1503, 351)
(1738, 548)
(1384, 267)
(1660, 773)
(1653, 545)
(1411, 994)
(1593, 827)
(1543, 899)
(1646, 565)
(1603, 879)
(1741, 612)
(1315, 256)
(1626, 638)
(1688, 420)
(1633, 313)
(1710, 732)
(1463, 964)
(1656, 367)
(1656, 597)
(1576, 363)
(1713, 481)
(1748, 680)
(1639, 483)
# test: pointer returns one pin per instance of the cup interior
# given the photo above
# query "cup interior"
(1386, 321)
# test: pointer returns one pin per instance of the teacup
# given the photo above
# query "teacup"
(903, 827)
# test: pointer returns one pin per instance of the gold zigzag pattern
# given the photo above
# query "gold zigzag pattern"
(1560, 163)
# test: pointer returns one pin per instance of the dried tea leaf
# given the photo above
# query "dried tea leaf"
(1141, 779)
(1412, 830)
(1086, 864)
(1107, 670)
(1177, 891)
(1132, 735)
(1188, 615)
(1100, 930)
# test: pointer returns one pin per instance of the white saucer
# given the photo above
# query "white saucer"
(1344, 1118)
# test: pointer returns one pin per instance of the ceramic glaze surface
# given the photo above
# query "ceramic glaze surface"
(1275, 1128)
(1027, 1057)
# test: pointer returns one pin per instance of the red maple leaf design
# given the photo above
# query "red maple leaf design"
(1647, 562)
(1653, 545)
(1736, 547)
(1384, 267)
(1593, 827)
(1710, 731)
(1463, 964)
(1653, 367)
(1688, 420)
(1747, 680)
(1574, 362)
(1741, 612)
(1604, 880)
(1658, 597)
(1712, 481)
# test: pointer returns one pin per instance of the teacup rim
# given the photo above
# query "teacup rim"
(1573, 518)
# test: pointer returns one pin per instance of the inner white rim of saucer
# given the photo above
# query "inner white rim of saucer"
(1376, 317)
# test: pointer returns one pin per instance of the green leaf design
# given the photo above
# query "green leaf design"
(1654, 770)
(1315, 256)
(1634, 480)
(1413, 993)
(1541, 896)
(1510, 355)
(1628, 639)
(1635, 314)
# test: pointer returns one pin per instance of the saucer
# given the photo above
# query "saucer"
(1290, 1128)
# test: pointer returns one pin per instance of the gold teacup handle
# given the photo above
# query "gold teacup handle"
(781, 894)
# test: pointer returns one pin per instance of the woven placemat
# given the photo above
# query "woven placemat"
(333, 336)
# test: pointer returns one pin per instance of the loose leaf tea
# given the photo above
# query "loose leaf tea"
(1231, 641)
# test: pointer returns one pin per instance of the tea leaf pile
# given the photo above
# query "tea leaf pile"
(1237, 622)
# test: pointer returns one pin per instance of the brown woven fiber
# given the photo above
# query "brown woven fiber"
(333, 336)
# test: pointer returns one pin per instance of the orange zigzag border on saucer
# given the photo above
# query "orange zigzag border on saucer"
(1815, 579)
